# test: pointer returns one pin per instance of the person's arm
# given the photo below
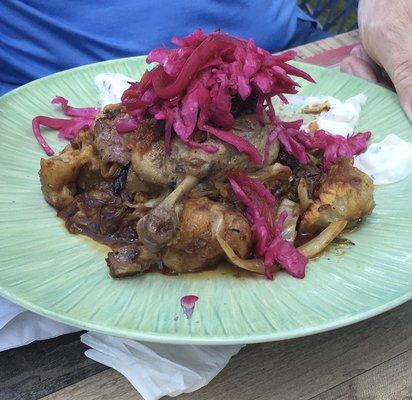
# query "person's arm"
(386, 34)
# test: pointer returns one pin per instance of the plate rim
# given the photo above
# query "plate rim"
(213, 340)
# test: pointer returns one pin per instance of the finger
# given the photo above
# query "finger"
(386, 80)
(382, 76)
(359, 52)
(402, 79)
(358, 67)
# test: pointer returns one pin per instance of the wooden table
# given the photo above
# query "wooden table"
(368, 361)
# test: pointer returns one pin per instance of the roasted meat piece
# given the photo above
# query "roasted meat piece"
(186, 167)
(195, 246)
(130, 260)
(345, 193)
(144, 147)
(116, 148)
(155, 166)
(58, 174)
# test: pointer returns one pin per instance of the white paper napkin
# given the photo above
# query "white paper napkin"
(19, 327)
(155, 370)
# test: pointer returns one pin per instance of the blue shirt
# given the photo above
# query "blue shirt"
(40, 37)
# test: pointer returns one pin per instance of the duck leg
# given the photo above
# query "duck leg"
(159, 226)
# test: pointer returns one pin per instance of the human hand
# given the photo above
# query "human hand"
(386, 52)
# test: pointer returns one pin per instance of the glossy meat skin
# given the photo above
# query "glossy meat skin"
(345, 193)
(195, 246)
(154, 166)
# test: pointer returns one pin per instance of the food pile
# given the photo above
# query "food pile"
(195, 166)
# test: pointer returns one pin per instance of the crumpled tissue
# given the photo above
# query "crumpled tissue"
(158, 369)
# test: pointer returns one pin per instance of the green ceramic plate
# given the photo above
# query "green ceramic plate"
(64, 277)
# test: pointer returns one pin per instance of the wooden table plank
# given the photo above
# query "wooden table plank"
(299, 369)
(392, 380)
(321, 46)
(107, 385)
(33, 371)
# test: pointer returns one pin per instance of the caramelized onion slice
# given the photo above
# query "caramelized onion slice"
(293, 211)
(271, 172)
(304, 199)
(253, 265)
(109, 170)
(320, 242)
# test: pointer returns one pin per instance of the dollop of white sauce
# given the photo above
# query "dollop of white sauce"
(111, 87)
(388, 161)
(342, 118)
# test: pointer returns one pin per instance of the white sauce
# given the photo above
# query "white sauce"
(111, 87)
(388, 161)
(341, 119)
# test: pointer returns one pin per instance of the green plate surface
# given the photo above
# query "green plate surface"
(62, 276)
